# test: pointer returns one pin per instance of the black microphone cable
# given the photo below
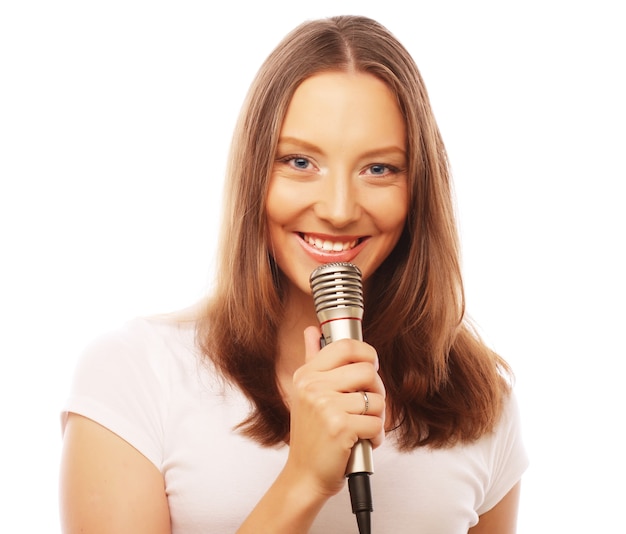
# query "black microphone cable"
(338, 297)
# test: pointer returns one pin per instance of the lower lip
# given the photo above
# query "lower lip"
(323, 256)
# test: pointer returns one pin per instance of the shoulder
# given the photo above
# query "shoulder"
(127, 379)
(505, 453)
(141, 342)
(508, 429)
(143, 356)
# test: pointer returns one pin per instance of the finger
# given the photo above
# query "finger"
(311, 342)
(345, 352)
(369, 422)
(372, 428)
(366, 402)
(355, 377)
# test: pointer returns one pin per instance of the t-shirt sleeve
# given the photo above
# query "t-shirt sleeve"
(121, 383)
(508, 455)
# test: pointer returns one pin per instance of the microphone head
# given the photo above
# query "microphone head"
(337, 291)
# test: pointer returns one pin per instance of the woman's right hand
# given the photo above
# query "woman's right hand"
(327, 404)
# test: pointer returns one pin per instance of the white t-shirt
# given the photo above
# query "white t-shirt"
(147, 383)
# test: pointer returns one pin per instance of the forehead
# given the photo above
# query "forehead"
(340, 106)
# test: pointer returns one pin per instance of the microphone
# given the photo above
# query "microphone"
(338, 297)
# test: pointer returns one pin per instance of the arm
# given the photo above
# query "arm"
(288, 506)
(326, 421)
(502, 518)
(106, 485)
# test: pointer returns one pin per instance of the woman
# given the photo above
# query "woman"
(229, 418)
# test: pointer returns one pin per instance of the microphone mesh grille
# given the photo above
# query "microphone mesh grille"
(336, 285)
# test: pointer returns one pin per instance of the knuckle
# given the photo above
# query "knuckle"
(321, 403)
(336, 425)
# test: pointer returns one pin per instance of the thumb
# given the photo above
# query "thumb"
(312, 336)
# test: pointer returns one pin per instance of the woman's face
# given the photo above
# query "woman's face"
(338, 190)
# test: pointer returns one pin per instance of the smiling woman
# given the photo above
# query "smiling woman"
(338, 190)
(228, 416)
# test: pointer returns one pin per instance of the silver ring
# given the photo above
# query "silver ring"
(366, 401)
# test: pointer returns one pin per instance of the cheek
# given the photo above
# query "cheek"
(271, 209)
(390, 211)
(279, 214)
(396, 222)
(279, 203)
(394, 232)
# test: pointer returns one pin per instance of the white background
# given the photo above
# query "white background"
(115, 119)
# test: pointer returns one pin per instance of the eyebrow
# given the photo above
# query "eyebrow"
(299, 143)
(382, 151)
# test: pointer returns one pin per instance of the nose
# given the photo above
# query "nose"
(338, 201)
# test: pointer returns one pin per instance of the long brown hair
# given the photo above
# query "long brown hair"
(443, 384)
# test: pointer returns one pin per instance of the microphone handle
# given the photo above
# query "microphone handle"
(361, 459)
(361, 462)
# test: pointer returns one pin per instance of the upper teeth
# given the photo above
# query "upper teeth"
(327, 245)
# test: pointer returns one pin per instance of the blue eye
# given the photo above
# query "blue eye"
(300, 163)
(379, 170)
(297, 166)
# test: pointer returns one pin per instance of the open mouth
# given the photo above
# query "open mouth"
(328, 245)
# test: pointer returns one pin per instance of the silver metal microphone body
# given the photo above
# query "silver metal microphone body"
(338, 297)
